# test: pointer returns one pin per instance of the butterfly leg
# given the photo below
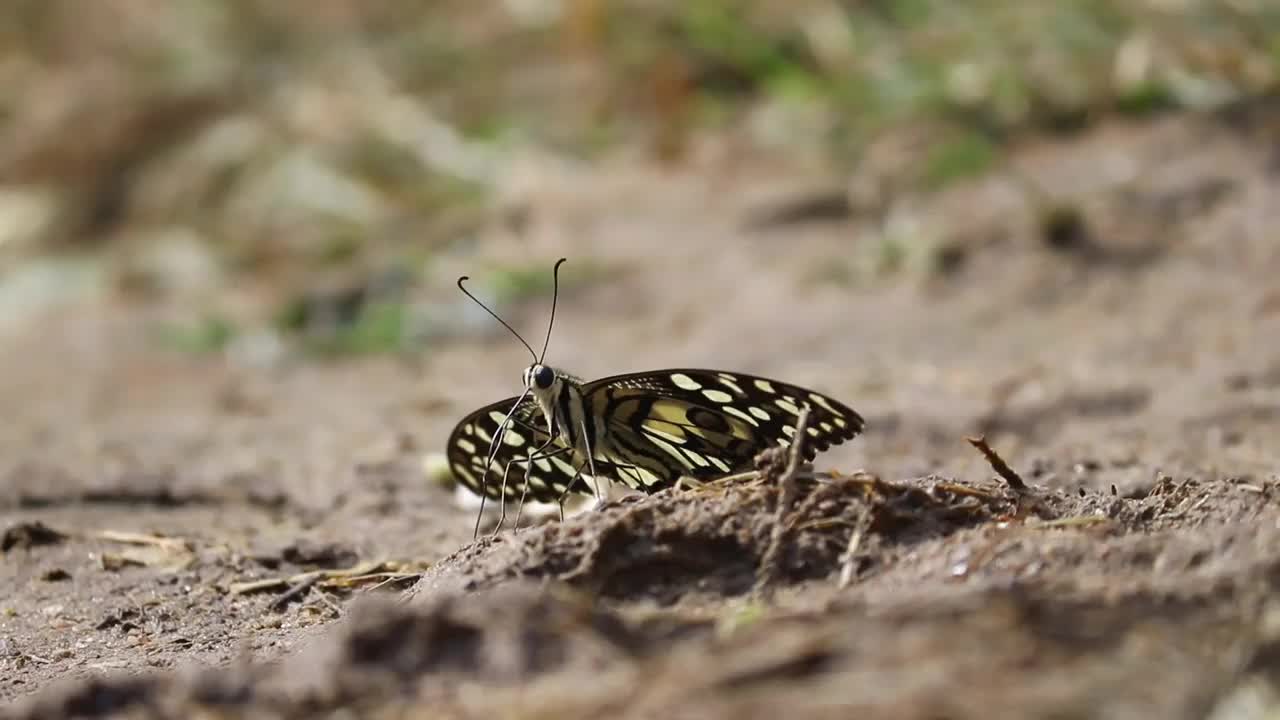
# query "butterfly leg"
(506, 472)
(539, 454)
(502, 513)
(595, 477)
(565, 493)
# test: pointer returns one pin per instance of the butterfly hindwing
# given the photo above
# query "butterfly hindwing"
(705, 423)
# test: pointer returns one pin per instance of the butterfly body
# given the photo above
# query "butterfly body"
(645, 430)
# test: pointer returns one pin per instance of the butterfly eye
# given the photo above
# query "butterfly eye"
(544, 376)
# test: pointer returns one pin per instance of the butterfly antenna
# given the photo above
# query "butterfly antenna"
(555, 294)
(476, 300)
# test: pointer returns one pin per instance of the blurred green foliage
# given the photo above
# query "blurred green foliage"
(295, 136)
(204, 334)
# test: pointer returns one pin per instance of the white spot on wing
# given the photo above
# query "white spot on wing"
(765, 385)
(671, 450)
(721, 465)
(466, 444)
(826, 405)
(730, 382)
(759, 412)
(563, 466)
(731, 410)
(685, 382)
(718, 396)
(468, 476)
(648, 478)
(677, 439)
(787, 405)
(788, 431)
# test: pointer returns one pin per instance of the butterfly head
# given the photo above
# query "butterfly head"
(543, 382)
(540, 379)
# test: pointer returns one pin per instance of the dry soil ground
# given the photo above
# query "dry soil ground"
(1129, 369)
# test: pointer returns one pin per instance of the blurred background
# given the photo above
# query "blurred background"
(270, 166)
(235, 191)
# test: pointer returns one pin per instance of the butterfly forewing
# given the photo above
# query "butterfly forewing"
(469, 447)
(651, 428)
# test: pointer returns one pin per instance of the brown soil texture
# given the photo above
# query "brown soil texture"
(1122, 357)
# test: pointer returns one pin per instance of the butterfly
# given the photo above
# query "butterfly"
(646, 430)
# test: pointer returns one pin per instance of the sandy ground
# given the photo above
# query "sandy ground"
(1128, 370)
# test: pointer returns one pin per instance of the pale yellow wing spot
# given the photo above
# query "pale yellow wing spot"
(822, 401)
(647, 477)
(787, 405)
(718, 396)
(699, 459)
(467, 475)
(685, 382)
(671, 437)
(564, 466)
(766, 386)
(731, 410)
(730, 382)
(466, 444)
(759, 412)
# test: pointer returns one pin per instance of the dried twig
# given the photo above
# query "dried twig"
(35, 658)
(295, 592)
(132, 538)
(253, 586)
(335, 608)
(1074, 521)
(848, 560)
(389, 579)
(966, 491)
(769, 564)
(998, 464)
(334, 578)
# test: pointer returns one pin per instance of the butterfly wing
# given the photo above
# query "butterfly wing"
(468, 450)
(704, 423)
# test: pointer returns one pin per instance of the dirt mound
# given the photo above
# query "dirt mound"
(582, 618)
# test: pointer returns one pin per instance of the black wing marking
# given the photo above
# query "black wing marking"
(705, 423)
(468, 451)
(552, 472)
